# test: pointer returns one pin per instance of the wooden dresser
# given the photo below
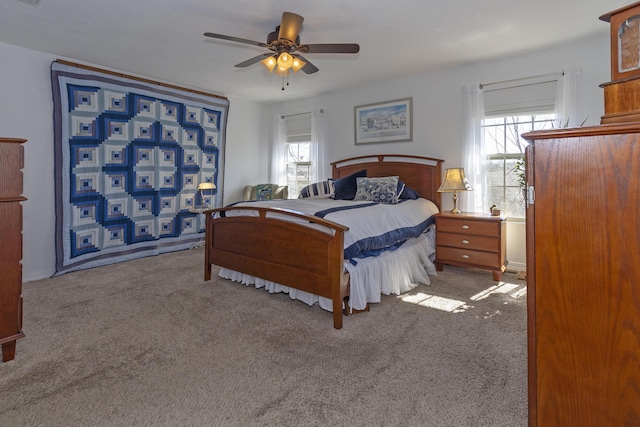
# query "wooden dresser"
(11, 164)
(471, 240)
(583, 276)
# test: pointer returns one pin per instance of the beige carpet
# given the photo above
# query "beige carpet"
(149, 343)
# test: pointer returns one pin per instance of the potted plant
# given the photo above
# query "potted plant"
(519, 170)
(520, 177)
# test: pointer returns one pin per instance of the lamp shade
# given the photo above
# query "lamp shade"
(282, 71)
(269, 62)
(454, 180)
(285, 60)
(298, 64)
(206, 186)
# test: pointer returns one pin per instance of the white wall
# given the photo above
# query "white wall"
(247, 148)
(26, 111)
(438, 106)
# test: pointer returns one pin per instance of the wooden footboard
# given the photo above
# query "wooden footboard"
(264, 243)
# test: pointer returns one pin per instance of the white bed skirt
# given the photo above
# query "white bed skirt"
(392, 272)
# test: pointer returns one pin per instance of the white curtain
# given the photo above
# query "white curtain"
(278, 151)
(316, 151)
(473, 151)
(566, 99)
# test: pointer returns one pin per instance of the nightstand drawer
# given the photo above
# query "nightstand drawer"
(469, 257)
(480, 243)
(468, 226)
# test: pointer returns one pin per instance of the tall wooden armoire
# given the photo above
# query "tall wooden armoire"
(11, 164)
(583, 276)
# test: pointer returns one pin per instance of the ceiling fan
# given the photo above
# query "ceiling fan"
(284, 45)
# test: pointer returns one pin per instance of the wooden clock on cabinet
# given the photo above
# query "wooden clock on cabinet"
(622, 94)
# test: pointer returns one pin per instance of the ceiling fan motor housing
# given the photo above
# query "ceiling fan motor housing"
(273, 36)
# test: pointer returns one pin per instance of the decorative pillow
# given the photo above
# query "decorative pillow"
(324, 189)
(381, 190)
(264, 192)
(345, 188)
(407, 193)
(401, 186)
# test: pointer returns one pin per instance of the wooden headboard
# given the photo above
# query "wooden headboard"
(423, 174)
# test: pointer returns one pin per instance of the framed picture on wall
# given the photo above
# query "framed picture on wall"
(390, 121)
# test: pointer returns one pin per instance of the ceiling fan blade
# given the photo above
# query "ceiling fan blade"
(330, 48)
(253, 60)
(290, 26)
(308, 68)
(236, 39)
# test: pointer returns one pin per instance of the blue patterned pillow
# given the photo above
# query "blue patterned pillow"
(380, 190)
(324, 189)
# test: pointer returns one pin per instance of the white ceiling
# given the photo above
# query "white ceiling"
(163, 39)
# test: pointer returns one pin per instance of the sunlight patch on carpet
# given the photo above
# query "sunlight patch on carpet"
(516, 291)
(437, 302)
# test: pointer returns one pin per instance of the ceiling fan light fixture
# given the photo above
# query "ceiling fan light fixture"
(269, 62)
(282, 71)
(285, 60)
(297, 64)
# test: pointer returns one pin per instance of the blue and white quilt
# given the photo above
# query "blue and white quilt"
(129, 156)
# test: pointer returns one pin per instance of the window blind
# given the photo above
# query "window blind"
(299, 128)
(527, 97)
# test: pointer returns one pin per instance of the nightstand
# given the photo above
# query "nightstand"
(471, 240)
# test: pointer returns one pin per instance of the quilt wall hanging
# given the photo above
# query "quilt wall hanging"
(129, 155)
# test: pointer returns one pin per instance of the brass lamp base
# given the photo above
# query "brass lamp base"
(455, 209)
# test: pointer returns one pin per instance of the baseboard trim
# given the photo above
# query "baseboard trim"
(516, 267)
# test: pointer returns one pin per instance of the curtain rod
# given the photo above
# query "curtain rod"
(285, 116)
(558, 73)
(140, 79)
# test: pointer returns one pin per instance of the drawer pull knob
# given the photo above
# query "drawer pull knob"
(465, 256)
(465, 226)
(466, 242)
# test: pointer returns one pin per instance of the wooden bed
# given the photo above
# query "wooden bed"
(261, 246)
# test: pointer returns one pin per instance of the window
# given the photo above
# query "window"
(298, 152)
(512, 108)
(298, 166)
(504, 146)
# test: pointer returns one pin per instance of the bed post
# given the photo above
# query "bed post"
(338, 285)
(438, 182)
(207, 239)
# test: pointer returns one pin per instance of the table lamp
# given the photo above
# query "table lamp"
(453, 182)
(205, 186)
